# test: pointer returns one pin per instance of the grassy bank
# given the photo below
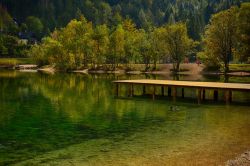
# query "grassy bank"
(15, 61)
(239, 67)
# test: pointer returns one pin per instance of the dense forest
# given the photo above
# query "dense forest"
(145, 13)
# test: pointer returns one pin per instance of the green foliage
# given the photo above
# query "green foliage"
(178, 44)
(7, 24)
(146, 14)
(34, 25)
(145, 49)
(227, 38)
(243, 48)
(11, 46)
(157, 44)
(100, 44)
(68, 48)
(80, 44)
(117, 45)
(131, 45)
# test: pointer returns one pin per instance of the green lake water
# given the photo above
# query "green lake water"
(74, 119)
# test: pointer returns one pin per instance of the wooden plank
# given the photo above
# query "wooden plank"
(208, 85)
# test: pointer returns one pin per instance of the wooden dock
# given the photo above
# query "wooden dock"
(172, 86)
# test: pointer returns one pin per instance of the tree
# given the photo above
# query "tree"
(145, 47)
(67, 48)
(243, 49)
(220, 37)
(57, 13)
(131, 44)
(5, 19)
(144, 21)
(23, 27)
(105, 12)
(178, 44)
(100, 43)
(158, 48)
(3, 49)
(117, 45)
(116, 19)
(7, 24)
(34, 25)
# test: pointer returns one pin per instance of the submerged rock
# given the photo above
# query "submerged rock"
(174, 108)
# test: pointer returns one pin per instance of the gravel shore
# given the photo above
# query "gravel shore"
(242, 160)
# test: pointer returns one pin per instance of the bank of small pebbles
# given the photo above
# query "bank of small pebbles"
(242, 160)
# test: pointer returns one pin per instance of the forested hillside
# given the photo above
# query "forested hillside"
(145, 13)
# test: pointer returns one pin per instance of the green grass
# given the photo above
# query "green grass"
(239, 67)
(15, 61)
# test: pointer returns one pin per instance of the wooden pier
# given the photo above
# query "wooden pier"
(172, 86)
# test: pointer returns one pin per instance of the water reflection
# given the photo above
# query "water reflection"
(42, 113)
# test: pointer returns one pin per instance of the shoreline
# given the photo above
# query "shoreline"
(165, 69)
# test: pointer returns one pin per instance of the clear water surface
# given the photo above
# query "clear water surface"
(74, 119)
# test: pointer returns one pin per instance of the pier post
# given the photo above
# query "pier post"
(131, 90)
(153, 93)
(162, 90)
(203, 94)
(228, 96)
(199, 95)
(174, 93)
(182, 92)
(216, 95)
(172, 87)
(144, 89)
(117, 90)
(169, 92)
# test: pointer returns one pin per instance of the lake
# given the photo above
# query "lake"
(74, 119)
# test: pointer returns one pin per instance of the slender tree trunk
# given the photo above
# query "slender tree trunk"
(174, 67)
(226, 67)
(147, 66)
(178, 67)
(154, 65)
(114, 64)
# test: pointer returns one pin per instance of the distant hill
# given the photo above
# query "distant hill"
(145, 13)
